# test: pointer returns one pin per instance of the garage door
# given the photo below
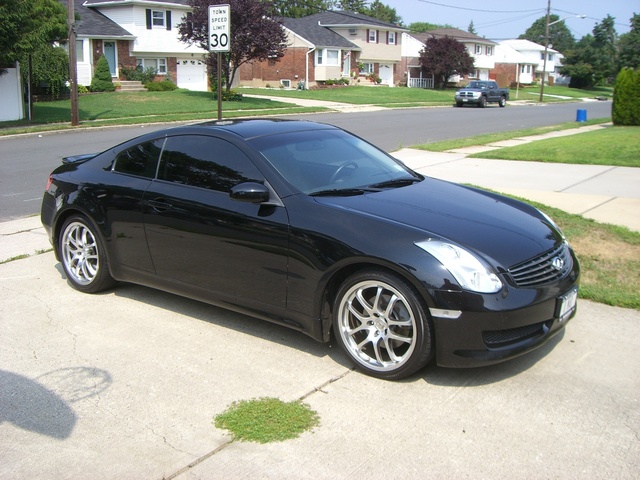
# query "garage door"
(192, 74)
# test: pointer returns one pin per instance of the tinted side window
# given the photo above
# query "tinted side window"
(141, 160)
(206, 162)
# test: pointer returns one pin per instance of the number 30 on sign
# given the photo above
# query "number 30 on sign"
(219, 28)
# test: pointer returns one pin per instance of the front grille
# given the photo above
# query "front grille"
(545, 269)
(465, 94)
(503, 338)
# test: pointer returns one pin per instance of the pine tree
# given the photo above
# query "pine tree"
(101, 81)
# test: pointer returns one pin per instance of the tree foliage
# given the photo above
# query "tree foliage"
(255, 35)
(626, 98)
(560, 37)
(50, 69)
(26, 25)
(445, 57)
(300, 8)
(102, 81)
(358, 6)
(383, 12)
(629, 45)
(422, 27)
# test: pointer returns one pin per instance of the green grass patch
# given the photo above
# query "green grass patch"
(266, 420)
(616, 146)
(486, 139)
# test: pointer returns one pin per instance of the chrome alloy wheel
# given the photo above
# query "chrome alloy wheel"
(80, 253)
(377, 325)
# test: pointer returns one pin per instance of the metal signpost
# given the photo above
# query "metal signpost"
(219, 40)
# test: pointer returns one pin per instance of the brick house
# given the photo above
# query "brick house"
(331, 46)
(132, 33)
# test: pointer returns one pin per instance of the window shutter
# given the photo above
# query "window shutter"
(387, 38)
(168, 19)
(368, 36)
(377, 36)
(148, 19)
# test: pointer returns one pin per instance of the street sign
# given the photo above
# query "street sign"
(219, 28)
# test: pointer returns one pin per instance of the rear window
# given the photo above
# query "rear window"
(140, 160)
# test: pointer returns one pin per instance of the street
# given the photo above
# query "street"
(27, 160)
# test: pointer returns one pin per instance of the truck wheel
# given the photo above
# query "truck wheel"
(503, 102)
(483, 102)
(458, 104)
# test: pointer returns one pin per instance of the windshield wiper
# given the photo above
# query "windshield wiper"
(343, 192)
(398, 182)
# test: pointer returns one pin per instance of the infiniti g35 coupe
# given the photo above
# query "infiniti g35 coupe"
(311, 227)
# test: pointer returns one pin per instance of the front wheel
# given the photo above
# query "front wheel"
(381, 324)
(83, 257)
(483, 102)
(503, 102)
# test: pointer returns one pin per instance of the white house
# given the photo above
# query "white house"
(513, 66)
(481, 50)
(534, 55)
(132, 33)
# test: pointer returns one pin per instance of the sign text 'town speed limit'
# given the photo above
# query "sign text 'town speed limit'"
(219, 28)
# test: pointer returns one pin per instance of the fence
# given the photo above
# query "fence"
(420, 83)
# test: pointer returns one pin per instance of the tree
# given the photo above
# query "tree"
(626, 102)
(383, 12)
(422, 27)
(358, 6)
(605, 51)
(255, 35)
(445, 57)
(300, 8)
(560, 37)
(50, 68)
(26, 25)
(471, 28)
(101, 81)
(629, 45)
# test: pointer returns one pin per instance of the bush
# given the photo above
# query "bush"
(102, 81)
(50, 71)
(626, 100)
(163, 86)
(230, 96)
(138, 74)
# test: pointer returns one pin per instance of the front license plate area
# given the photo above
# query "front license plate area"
(566, 305)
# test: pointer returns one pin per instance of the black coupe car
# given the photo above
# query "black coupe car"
(308, 226)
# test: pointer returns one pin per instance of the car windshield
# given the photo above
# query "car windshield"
(331, 162)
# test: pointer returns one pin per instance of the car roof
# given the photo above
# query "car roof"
(253, 128)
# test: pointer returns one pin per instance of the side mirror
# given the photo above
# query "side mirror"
(250, 192)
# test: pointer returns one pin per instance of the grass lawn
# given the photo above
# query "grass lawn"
(617, 146)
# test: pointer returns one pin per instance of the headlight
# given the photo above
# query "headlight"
(470, 272)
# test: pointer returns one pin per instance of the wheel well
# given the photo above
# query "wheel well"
(338, 278)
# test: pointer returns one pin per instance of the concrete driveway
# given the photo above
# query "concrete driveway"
(125, 385)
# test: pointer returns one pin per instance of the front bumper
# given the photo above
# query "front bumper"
(473, 339)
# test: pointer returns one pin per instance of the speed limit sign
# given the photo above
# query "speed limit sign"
(219, 28)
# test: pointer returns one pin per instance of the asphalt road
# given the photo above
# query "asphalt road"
(26, 161)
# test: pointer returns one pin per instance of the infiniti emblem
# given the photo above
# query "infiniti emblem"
(557, 263)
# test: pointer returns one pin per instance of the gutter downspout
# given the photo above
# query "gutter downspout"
(306, 73)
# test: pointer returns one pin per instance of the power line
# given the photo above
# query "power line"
(484, 10)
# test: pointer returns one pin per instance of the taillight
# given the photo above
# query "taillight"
(49, 182)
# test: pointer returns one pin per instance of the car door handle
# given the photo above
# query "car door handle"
(159, 205)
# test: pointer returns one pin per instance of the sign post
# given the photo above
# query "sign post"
(219, 41)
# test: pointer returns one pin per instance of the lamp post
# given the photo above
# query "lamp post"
(546, 44)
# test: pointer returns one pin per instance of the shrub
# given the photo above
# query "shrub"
(231, 96)
(138, 74)
(50, 70)
(163, 86)
(626, 104)
(101, 81)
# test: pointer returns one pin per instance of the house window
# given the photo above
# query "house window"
(525, 69)
(158, 64)
(80, 50)
(157, 18)
(474, 74)
(489, 50)
(367, 68)
(373, 36)
(328, 57)
(478, 49)
(391, 38)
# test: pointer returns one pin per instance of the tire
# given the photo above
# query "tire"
(83, 257)
(483, 102)
(458, 104)
(382, 325)
(502, 102)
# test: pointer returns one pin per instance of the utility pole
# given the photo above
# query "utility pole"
(73, 63)
(546, 50)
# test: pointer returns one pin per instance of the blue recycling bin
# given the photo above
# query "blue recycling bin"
(581, 116)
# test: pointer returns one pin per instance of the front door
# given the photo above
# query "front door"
(110, 53)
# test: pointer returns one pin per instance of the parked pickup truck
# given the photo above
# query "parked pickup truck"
(480, 93)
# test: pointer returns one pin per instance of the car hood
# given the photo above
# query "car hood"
(504, 231)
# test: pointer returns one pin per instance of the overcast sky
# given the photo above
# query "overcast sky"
(503, 19)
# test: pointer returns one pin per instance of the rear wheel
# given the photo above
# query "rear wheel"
(83, 257)
(382, 325)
